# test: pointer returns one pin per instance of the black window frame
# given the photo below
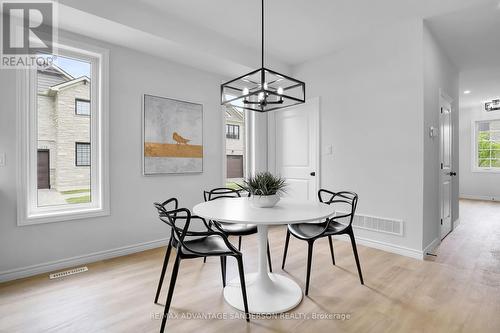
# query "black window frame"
(76, 154)
(232, 131)
(76, 108)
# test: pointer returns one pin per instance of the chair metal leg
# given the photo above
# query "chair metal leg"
(239, 243)
(243, 286)
(331, 249)
(286, 248)
(355, 251)
(223, 270)
(309, 261)
(269, 257)
(170, 292)
(204, 259)
(163, 270)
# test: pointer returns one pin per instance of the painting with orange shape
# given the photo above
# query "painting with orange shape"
(173, 136)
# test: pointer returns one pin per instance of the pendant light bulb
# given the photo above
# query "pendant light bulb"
(261, 96)
(245, 91)
(280, 91)
(265, 85)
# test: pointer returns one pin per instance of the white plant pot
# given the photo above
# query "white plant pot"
(264, 201)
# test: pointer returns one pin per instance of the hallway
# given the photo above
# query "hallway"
(475, 244)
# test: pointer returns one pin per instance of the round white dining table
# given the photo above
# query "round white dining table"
(267, 292)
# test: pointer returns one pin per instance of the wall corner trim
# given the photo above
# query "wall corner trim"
(432, 246)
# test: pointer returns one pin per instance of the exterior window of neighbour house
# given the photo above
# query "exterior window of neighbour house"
(235, 146)
(232, 131)
(82, 107)
(67, 178)
(82, 153)
(487, 145)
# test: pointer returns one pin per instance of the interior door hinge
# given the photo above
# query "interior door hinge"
(441, 166)
(441, 221)
(441, 109)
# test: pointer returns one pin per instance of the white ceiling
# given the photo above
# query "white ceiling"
(470, 37)
(223, 36)
(299, 30)
(484, 85)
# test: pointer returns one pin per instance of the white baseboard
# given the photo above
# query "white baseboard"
(432, 246)
(401, 250)
(479, 197)
(51, 266)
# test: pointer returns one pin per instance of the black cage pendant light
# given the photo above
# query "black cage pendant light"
(263, 89)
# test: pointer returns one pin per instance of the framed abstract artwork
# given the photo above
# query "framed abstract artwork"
(172, 136)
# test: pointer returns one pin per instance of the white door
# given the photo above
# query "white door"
(295, 134)
(446, 171)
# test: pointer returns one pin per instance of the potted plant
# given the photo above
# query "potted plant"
(265, 189)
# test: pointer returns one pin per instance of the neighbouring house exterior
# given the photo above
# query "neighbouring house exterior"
(63, 130)
(235, 143)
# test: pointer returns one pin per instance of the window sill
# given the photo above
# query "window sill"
(60, 216)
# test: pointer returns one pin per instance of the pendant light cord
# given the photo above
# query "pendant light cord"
(263, 96)
(262, 50)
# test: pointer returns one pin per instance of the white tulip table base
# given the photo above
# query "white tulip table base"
(271, 295)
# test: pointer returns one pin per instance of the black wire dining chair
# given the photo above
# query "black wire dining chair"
(161, 207)
(310, 232)
(232, 229)
(207, 243)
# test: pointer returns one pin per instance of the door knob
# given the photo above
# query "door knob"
(453, 173)
(313, 173)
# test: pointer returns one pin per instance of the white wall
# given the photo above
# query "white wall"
(258, 146)
(477, 185)
(372, 113)
(439, 74)
(132, 219)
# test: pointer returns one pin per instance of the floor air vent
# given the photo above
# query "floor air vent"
(68, 272)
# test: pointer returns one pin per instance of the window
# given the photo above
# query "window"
(82, 107)
(232, 131)
(82, 154)
(64, 155)
(487, 146)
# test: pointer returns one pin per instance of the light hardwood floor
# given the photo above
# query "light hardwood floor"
(458, 291)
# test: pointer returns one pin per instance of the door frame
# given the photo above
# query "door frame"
(271, 135)
(443, 96)
(45, 150)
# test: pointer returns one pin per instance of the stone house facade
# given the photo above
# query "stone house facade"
(62, 129)
(235, 143)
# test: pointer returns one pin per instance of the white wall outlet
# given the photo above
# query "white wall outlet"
(2, 160)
